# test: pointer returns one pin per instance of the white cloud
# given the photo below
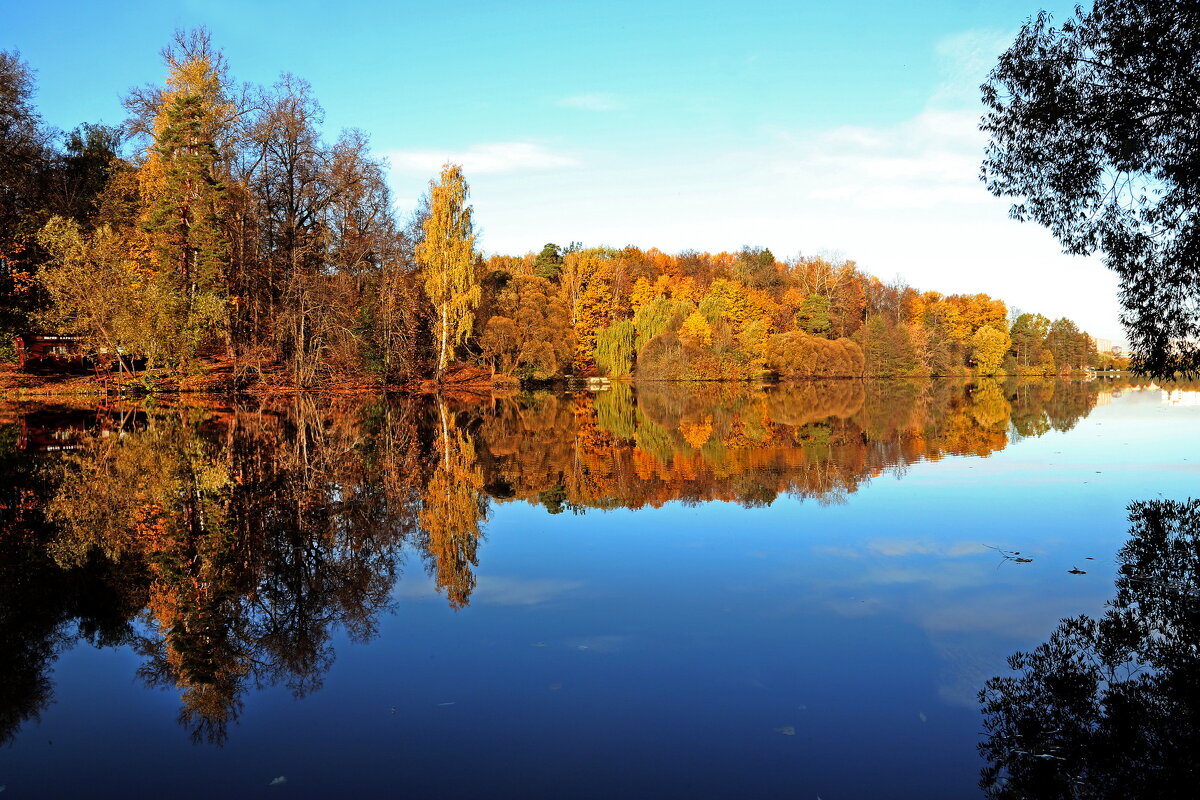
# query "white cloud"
(928, 161)
(482, 159)
(491, 589)
(591, 101)
(908, 547)
(508, 591)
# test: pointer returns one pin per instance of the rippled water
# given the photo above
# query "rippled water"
(703, 590)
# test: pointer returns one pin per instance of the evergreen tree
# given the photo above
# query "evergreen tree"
(184, 198)
(183, 219)
(548, 263)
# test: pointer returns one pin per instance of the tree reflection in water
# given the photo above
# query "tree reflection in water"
(1110, 708)
(452, 506)
(227, 544)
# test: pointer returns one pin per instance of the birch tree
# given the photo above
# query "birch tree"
(447, 261)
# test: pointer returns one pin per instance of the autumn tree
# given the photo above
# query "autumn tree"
(589, 284)
(373, 266)
(529, 332)
(184, 201)
(184, 192)
(988, 348)
(242, 220)
(796, 354)
(645, 292)
(447, 259)
(279, 289)
(728, 300)
(96, 290)
(696, 328)
(659, 316)
(615, 348)
(755, 266)
(324, 280)
(848, 299)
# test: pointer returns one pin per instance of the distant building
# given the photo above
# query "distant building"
(1108, 348)
(38, 353)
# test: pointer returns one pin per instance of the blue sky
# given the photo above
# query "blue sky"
(804, 127)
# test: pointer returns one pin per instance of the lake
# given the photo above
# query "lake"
(668, 590)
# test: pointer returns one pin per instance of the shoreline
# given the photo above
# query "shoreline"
(19, 386)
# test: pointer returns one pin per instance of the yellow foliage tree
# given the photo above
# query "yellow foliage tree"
(685, 288)
(696, 329)
(988, 348)
(447, 260)
(644, 292)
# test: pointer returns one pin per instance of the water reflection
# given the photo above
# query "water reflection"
(225, 544)
(1110, 707)
(452, 506)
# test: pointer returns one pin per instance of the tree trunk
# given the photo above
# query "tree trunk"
(442, 349)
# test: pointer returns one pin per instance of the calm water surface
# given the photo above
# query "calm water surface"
(673, 591)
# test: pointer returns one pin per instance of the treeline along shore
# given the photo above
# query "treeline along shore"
(219, 232)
